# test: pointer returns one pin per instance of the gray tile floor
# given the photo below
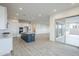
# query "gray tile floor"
(42, 47)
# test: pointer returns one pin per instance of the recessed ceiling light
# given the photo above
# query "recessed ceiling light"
(20, 8)
(54, 10)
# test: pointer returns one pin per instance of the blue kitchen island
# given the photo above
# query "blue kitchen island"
(28, 37)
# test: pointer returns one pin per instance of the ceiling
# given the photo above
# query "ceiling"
(74, 19)
(36, 12)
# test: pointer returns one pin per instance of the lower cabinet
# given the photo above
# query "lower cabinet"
(28, 37)
(6, 45)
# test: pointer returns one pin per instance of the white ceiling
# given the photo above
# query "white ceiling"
(36, 12)
(73, 19)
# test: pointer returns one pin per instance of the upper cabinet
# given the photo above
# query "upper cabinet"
(3, 17)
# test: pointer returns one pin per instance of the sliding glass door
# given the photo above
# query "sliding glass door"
(67, 30)
(72, 32)
(60, 31)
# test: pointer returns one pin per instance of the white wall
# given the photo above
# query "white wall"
(67, 13)
(13, 26)
(22, 24)
(52, 28)
(42, 28)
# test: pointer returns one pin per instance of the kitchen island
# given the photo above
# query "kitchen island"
(28, 37)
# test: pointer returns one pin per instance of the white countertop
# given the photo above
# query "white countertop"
(4, 37)
(28, 32)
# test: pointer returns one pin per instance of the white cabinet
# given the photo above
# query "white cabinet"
(13, 27)
(6, 45)
(3, 17)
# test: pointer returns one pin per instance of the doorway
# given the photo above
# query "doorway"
(67, 30)
(60, 31)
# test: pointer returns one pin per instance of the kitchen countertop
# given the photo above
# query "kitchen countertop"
(3, 36)
(29, 33)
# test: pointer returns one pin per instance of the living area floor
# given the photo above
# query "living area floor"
(42, 47)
